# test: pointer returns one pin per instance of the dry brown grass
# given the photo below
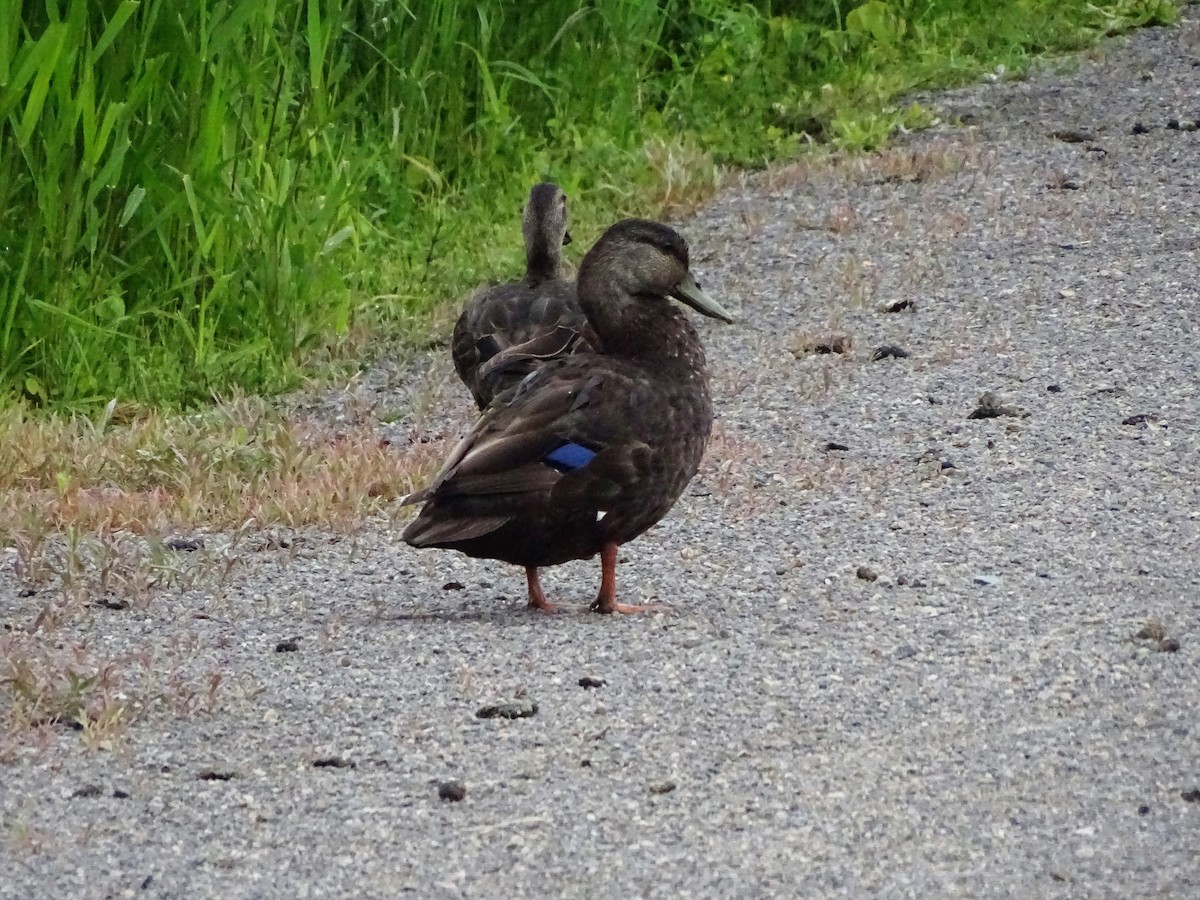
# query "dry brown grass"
(237, 463)
(49, 685)
(822, 342)
(685, 174)
(927, 162)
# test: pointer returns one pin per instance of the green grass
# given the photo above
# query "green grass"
(198, 196)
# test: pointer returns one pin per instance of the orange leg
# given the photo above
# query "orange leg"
(537, 598)
(606, 600)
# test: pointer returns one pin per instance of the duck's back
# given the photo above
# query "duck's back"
(507, 331)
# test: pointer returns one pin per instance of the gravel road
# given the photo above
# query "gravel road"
(910, 667)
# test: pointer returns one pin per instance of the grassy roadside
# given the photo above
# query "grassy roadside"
(195, 201)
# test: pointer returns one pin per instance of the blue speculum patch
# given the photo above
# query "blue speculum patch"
(570, 457)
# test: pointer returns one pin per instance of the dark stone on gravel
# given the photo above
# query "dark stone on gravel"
(663, 788)
(946, 464)
(834, 445)
(453, 586)
(454, 791)
(899, 306)
(1054, 388)
(288, 646)
(110, 603)
(334, 762)
(120, 794)
(1152, 631)
(587, 681)
(1139, 128)
(1142, 419)
(866, 573)
(213, 775)
(183, 545)
(991, 407)
(27, 592)
(1191, 796)
(519, 709)
(86, 791)
(889, 351)
(1143, 810)
(1170, 645)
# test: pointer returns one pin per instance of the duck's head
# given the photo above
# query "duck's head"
(545, 229)
(639, 264)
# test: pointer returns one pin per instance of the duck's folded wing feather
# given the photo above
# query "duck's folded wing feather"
(511, 435)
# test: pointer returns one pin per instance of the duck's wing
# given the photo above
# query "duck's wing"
(561, 437)
(508, 332)
(481, 331)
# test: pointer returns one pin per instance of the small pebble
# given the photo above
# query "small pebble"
(453, 791)
(289, 646)
(664, 787)
(520, 709)
(866, 573)
(334, 762)
(991, 407)
(1142, 419)
(587, 681)
(889, 351)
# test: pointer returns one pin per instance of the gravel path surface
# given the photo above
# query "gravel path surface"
(908, 667)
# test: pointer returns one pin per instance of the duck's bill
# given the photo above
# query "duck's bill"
(693, 295)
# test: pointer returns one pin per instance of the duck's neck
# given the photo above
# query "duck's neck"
(542, 263)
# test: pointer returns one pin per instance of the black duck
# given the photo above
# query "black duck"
(507, 331)
(591, 449)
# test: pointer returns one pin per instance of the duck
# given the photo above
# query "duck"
(590, 449)
(506, 331)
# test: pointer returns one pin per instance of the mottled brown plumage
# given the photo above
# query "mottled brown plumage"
(592, 449)
(505, 332)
